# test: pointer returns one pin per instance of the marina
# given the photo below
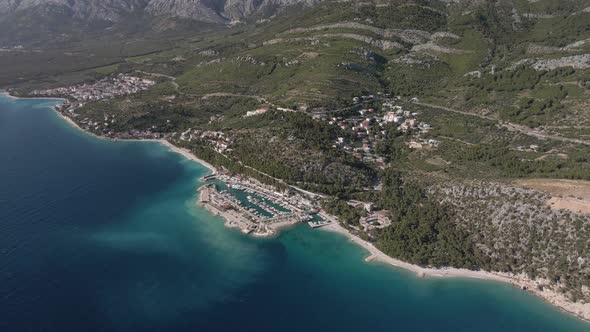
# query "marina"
(254, 208)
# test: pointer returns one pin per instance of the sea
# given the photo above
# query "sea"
(106, 236)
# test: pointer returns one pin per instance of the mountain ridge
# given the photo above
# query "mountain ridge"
(211, 11)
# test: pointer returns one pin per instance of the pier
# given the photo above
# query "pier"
(208, 177)
(318, 224)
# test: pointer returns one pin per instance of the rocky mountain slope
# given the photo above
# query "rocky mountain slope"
(109, 10)
(43, 22)
(117, 10)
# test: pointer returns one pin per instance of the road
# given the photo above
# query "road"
(314, 195)
(510, 126)
(171, 78)
(359, 104)
(228, 94)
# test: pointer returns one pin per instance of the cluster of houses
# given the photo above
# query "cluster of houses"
(375, 220)
(96, 125)
(103, 129)
(216, 139)
(251, 60)
(68, 106)
(262, 110)
(258, 111)
(106, 88)
(370, 125)
(530, 148)
(372, 220)
(422, 143)
(11, 48)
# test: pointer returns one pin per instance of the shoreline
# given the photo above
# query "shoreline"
(182, 151)
(579, 310)
(4, 93)
(186, 153)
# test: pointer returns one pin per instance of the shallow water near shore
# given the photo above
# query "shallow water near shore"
(106, 236)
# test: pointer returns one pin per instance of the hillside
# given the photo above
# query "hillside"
(32, 21)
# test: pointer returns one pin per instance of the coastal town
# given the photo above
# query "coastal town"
(363, 127)
(245, 203)
(366, 124)
(106, 88)
(78, 96)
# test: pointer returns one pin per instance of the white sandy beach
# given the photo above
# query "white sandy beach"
(6, 94)
(581, 310)
(187, 154)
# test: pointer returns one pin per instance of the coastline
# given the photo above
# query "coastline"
(4, 93)
(186, 153)
(552, 297)
(579, 310)
(182, 151)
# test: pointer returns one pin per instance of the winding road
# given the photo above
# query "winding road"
(510, 126)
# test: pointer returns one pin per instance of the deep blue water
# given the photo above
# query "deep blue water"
(103, 236)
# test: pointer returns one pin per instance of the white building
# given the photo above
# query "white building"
(257, 112)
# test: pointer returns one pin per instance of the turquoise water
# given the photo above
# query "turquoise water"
(104, 236)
